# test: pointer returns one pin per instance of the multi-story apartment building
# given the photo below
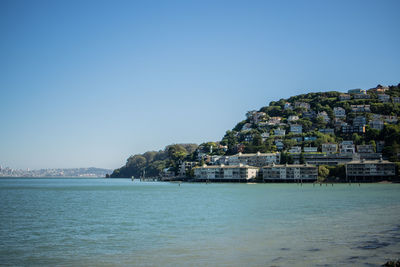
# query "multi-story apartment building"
(370, 169)
(224, 173)
(290, 172)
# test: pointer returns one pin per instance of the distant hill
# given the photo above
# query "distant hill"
(70, 172)
(302, 122)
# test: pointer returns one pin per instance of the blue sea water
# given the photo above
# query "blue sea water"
(117, 222)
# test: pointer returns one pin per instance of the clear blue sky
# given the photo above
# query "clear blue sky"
(88, 83)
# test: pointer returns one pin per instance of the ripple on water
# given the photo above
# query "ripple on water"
(373, 244)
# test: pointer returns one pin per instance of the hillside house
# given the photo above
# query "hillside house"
(344, 97)
(339, 112)
(296, 128)
(347, 147)
(329, 148)
(383, 97)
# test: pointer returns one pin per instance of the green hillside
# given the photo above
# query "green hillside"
(363, 116)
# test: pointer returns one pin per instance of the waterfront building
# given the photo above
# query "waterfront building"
(329, 148)
(223, 173)
(291, 172)
(370, 170)
(293, 118)
(254, 159)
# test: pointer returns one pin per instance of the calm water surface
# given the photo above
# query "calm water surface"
(104, 222)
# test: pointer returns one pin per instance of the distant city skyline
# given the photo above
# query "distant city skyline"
(89, 83)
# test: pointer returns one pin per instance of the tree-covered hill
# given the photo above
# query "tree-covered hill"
(152, 163)
(306, 120)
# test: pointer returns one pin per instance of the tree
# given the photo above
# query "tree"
(302, 159)
(320, 122)
(323, 173)
(373, 144)
(356, 138)
(290, 159)
(257, 140)
(284, 158)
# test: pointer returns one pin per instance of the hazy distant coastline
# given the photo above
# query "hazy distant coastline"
(58, 172)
